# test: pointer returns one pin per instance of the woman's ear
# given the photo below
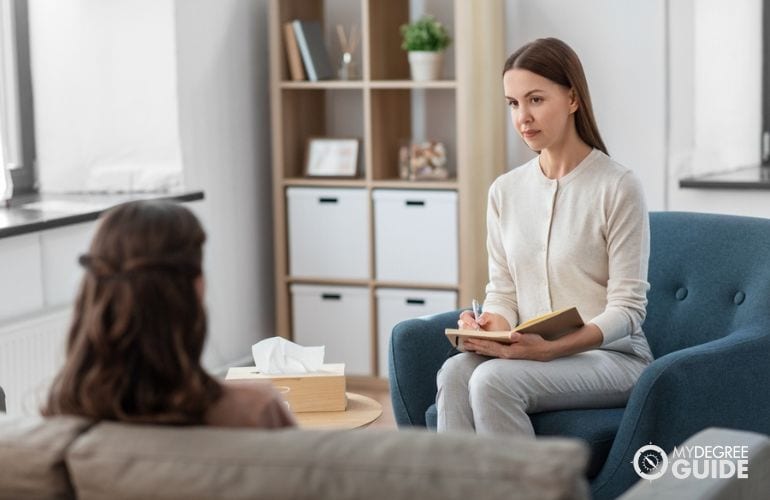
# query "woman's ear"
(574, 102)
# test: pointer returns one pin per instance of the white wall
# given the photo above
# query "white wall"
(180, 81)
(622, 47)
(224, 127)
(104, 84)
(715, 75)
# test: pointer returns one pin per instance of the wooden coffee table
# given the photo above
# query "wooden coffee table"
(361, 411)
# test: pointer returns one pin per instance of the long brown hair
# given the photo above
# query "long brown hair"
(139, 325)
(553, 59)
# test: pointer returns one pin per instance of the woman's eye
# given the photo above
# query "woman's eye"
(513, 104)
(536, 100)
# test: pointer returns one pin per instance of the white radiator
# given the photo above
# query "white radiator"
(31, 353)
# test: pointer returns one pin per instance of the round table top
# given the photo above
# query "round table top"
(361, 411)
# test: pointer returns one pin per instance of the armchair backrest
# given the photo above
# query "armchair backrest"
(709, 276)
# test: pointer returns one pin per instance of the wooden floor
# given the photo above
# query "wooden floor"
(377, 389)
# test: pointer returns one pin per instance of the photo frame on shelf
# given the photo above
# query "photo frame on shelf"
(332, 157)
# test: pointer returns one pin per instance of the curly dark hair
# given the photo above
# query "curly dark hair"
(139, 324)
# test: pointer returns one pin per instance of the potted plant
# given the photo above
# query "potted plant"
(425, 40)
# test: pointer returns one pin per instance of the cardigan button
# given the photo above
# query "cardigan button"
(681, 294)
(739, 298)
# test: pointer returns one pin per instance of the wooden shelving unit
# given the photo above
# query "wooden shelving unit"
(378, 108)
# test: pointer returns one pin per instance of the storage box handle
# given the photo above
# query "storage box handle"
(416, 302)
(327, 200)
(415, 203)
(331, 296)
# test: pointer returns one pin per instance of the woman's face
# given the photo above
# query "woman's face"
(540, 108)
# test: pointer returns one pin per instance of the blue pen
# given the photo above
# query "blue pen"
(476, 312)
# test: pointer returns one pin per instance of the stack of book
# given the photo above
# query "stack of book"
(306, 51)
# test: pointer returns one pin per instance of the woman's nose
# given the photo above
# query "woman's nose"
(522, 116)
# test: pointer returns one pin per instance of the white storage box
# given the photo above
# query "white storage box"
(416, 236)
(396, 304)
(337, 317)
(328, 233)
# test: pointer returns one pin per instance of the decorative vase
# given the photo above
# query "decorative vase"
(425, 65)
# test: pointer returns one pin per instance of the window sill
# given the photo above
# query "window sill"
(31, 213)
(745, 178)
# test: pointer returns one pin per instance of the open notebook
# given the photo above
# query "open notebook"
(550, 326)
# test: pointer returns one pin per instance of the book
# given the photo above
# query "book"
(296, 71)
(313, 50)
(550, 326)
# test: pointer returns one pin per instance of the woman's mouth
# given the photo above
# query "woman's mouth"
(528, 134)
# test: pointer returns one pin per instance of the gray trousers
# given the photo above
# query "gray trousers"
(490, 395)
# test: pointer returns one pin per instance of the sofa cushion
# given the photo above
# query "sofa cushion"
(32, 455)
(130, 461)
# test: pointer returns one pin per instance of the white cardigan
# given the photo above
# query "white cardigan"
(582, 240)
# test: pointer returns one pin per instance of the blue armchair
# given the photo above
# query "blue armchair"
(708, 325)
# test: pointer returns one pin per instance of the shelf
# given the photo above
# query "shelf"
(312, 111)
(374, 84)
(422, 286)
(324, 182)
(409, 84)
(324, 84)
(385, 110)
(327, 281)
(366, 282)
(399, 184)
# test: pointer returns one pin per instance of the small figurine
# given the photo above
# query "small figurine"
(423, 161)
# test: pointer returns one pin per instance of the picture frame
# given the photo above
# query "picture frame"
(332, 157)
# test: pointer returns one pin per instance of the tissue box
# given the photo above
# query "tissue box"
(319, 391)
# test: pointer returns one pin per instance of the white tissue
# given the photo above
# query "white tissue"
(277, 355)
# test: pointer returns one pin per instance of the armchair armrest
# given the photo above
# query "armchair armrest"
(417, 349)
(684, 392)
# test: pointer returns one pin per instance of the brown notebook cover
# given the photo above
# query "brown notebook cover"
(296, 70)
(550, 326)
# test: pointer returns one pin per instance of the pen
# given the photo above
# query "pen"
(476, 312)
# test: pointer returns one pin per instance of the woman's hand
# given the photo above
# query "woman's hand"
(534, 347)
(524, 346)
(487, 321)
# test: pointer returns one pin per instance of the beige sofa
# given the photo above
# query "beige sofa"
(68, 457)
(65, 457)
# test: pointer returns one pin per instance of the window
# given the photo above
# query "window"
(9, 92)
(16, 121)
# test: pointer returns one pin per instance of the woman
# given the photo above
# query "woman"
(139, 326)
(568, 228)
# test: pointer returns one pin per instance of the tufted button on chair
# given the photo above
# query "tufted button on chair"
(708, 325)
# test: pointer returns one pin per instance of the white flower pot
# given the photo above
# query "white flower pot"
(425, 65)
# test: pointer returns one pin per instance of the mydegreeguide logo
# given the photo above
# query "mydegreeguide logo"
(697, 461)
